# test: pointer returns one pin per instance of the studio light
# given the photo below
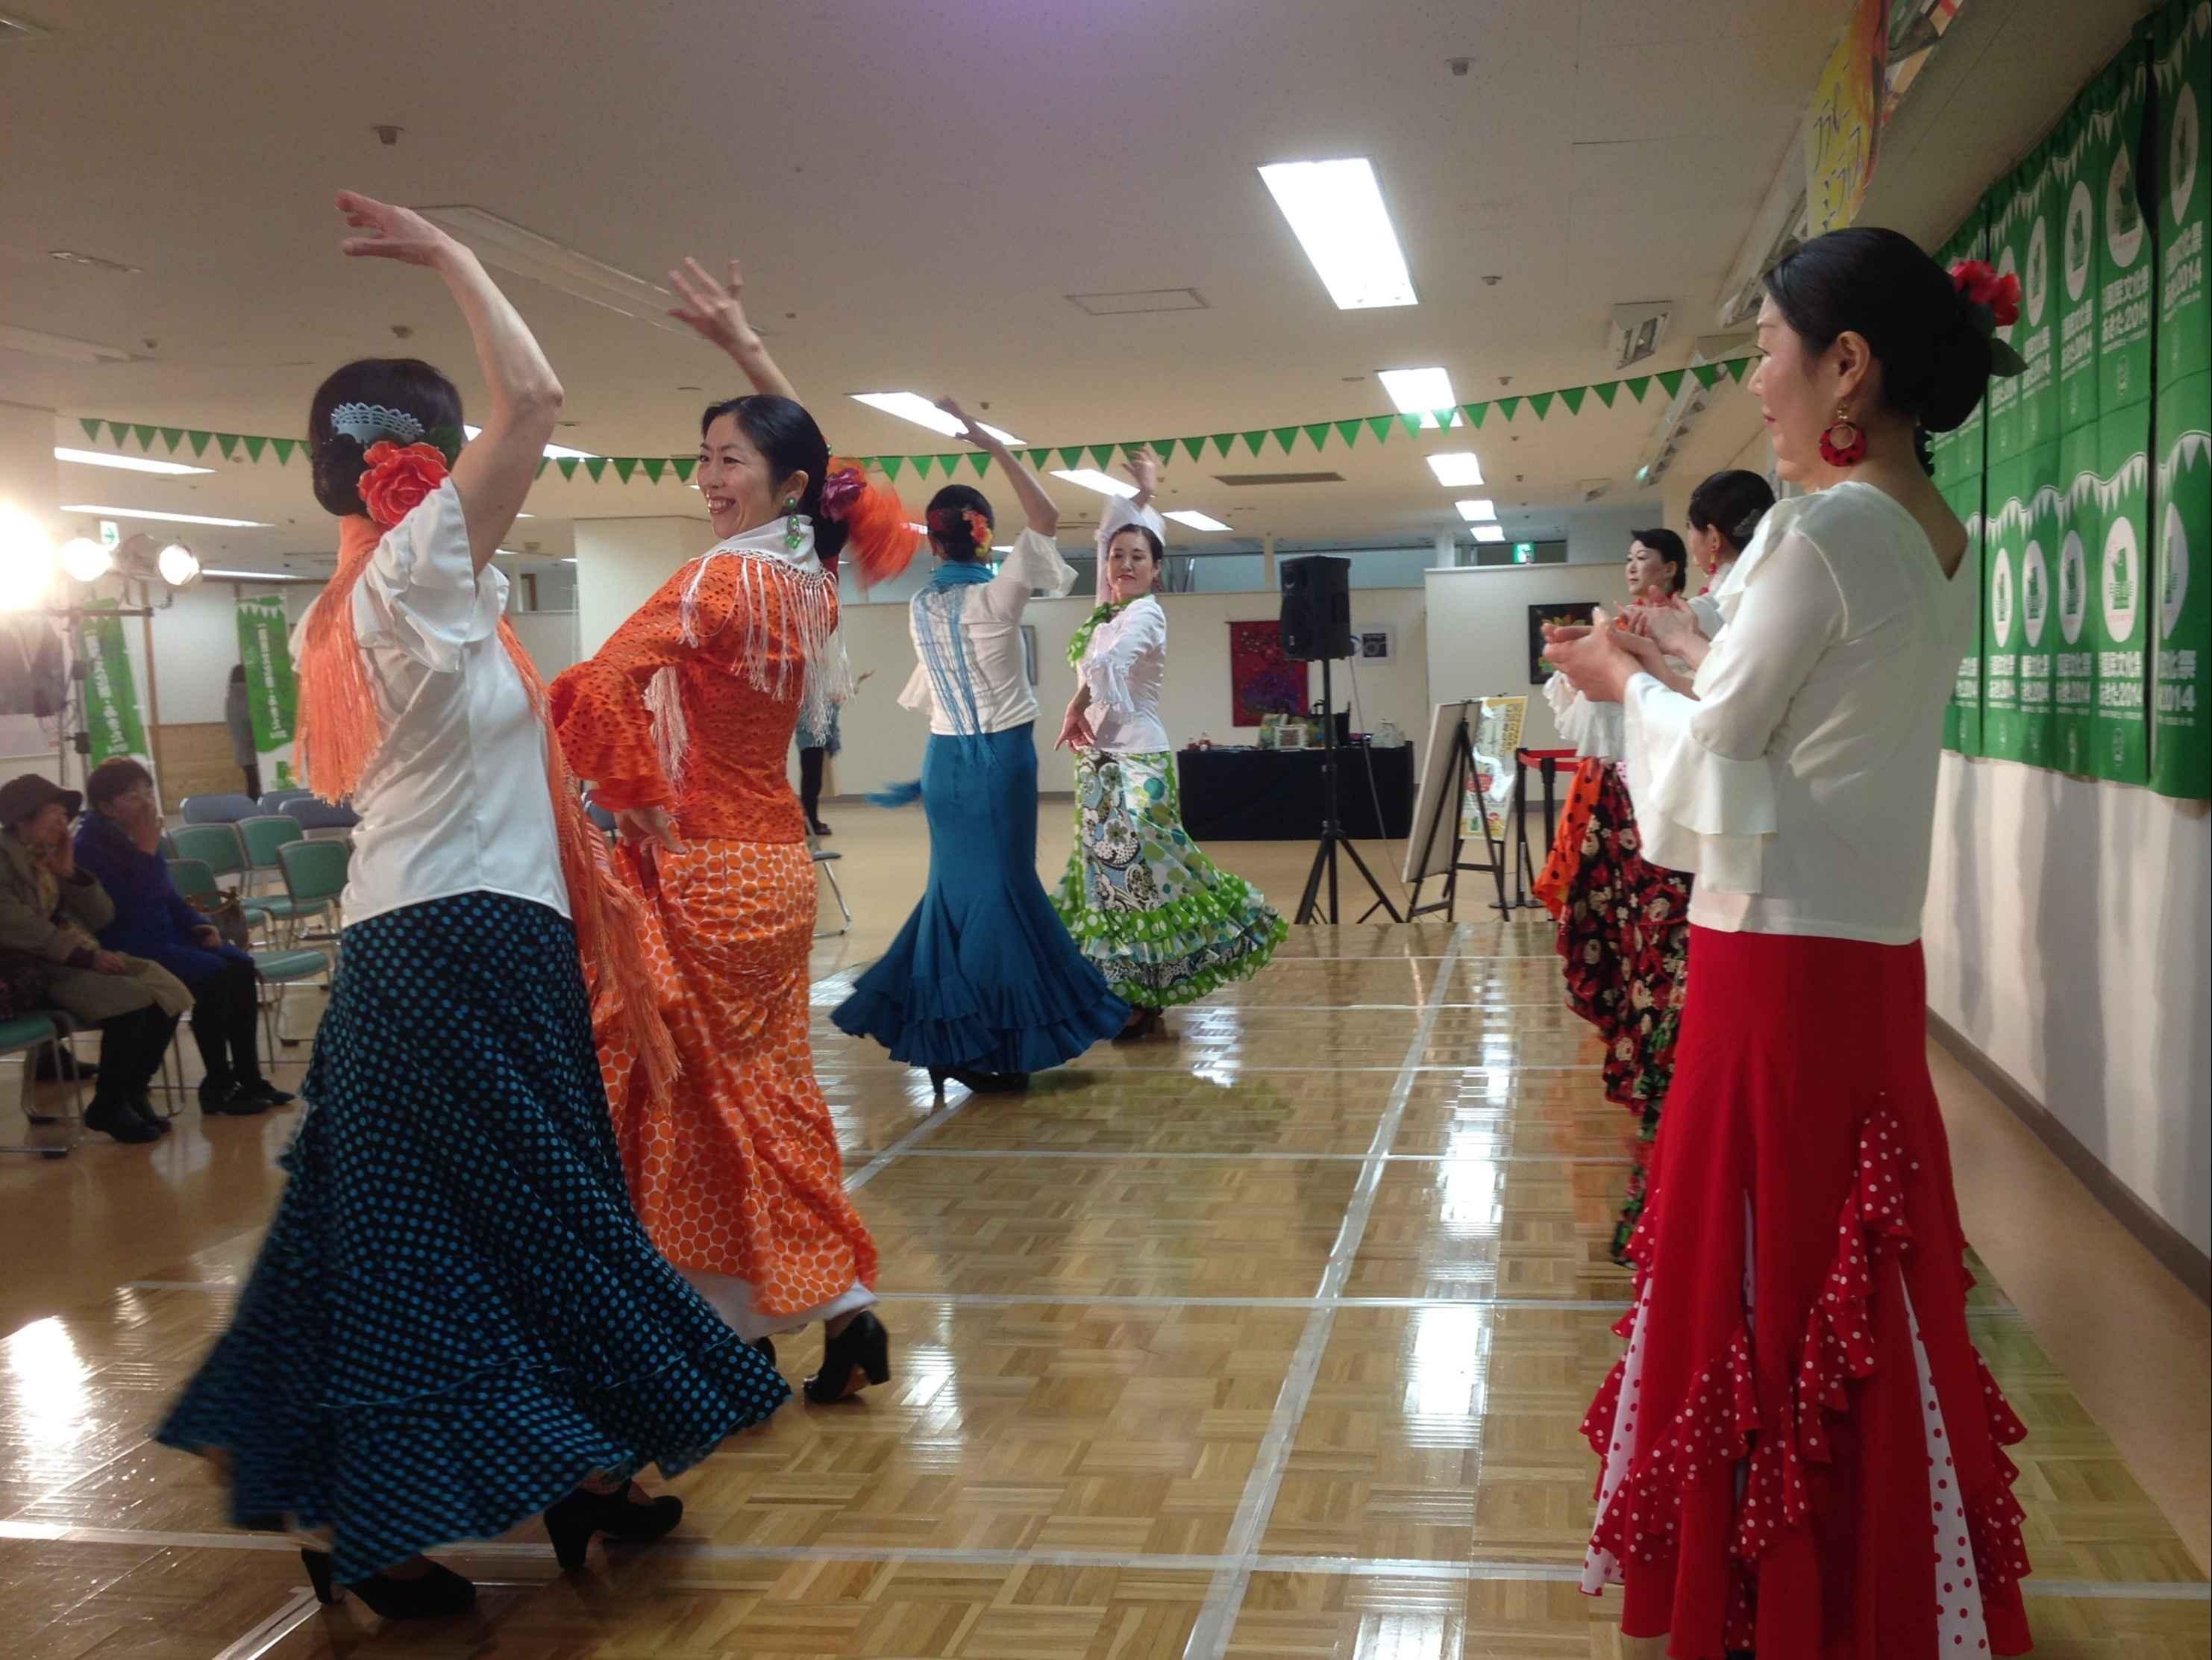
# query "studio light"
(85, 561)
(26, 561)
(179, 565)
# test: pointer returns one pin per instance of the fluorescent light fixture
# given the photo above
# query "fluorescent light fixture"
(85, 560)
(1092, 479)
(913, 406)
(567, 558)
(1195, 519)
(1480, 511)
(179, 565)
(503, 243)
(126, 462)
(259, 576)
(1335, 211)
(1490, 532)
(1456, 469)
(40, 343)
(1422, 392)
(165, 518)
(553, 453)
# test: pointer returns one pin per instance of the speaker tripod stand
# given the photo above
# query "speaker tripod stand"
(1331, 829)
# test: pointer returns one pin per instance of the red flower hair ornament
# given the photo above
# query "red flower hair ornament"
(397, 480)
(1991, 302)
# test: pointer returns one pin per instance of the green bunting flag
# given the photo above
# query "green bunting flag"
(121, 435)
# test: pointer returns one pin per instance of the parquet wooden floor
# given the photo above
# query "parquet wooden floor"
(1266, 1338)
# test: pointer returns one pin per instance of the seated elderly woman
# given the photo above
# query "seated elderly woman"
(49, 909)
(119, 843)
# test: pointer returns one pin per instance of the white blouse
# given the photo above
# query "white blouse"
(1125, 665)
(1592, 728)
(992, 625)
(455, 800)
(1799, 786)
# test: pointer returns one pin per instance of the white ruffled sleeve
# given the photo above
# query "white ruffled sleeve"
(1137, 632)
(1034, 563)
(1592, 729)
(1698, 767)
(421, 594)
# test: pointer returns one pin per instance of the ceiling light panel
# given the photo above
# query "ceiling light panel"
(913, 406)
(124, 463)
(1195, 519)
(1455, 469)
(1490, 532)
(164, 518)
(1336, 211)
(553, 453)
(1480, 511)
(1092, 479)
(1422, 392)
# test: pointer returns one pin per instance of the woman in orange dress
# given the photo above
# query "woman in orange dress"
(681, 721)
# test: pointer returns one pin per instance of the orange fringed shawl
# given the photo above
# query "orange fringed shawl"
(340, 730)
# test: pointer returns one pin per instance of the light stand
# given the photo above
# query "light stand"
(1331, 829)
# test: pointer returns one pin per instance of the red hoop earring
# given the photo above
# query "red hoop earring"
(1843, 444)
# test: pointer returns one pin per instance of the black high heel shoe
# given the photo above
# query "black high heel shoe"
(861, 1352)
(573, 1521)
(1143, 1023)
(979, 1083)
(440, 1594)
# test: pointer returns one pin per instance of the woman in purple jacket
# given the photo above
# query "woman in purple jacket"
(119, 843)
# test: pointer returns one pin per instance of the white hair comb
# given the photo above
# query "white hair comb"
(367, 423)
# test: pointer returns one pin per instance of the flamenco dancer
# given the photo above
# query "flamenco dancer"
(456, 1321)
(1800, 1408)
(1157, 917)
(982, 985)
(1623, 936)
(682, 721)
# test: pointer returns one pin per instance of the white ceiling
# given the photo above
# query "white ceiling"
(915, 189)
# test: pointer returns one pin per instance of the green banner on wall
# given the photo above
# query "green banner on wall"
(2126, 261)
(2075, 290)
(111, 691)
(2181, 73)
(1962, 718)
(2074, 668)
(2005, 548)
(2114, 500)
(264, 647)
(2181, 704)
(2038, 628)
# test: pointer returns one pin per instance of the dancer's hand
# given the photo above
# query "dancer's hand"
(971, 430)
(394, 233)
(1673, 625)
(1143, 466)
(714, 309)
(650, 829)
(1075, 732)
(1594, 663)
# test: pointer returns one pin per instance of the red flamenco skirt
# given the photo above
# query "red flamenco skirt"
(1803, 1452)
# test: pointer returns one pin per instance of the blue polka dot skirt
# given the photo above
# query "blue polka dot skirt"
(456, 1317)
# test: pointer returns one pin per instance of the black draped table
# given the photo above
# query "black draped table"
(1275, 795)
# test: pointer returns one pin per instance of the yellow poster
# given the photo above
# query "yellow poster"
(1845, 122)
(1497, 742)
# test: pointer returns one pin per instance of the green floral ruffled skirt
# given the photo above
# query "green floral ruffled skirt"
(1157, 917)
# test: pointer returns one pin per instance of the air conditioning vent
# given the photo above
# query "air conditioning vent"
(1243, 480)
(1133, 301)
(1638, 329)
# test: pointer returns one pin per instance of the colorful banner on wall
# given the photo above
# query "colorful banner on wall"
(1846, 121)
(2181, 698)
(265, 647)
(111, 691)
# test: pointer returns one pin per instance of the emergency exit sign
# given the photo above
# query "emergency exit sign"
(1524, 552)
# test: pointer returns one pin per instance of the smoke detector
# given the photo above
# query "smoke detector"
(1638, 329)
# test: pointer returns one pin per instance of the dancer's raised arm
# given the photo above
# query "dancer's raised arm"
(1036, 506)
(716, 311)
(495, 471)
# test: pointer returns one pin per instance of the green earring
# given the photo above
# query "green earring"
(793, 535)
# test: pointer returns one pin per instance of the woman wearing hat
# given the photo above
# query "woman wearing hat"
(49, 912)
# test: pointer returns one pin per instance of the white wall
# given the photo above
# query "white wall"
(619, 564)
(1477, 631)
(549, 637)
(195, 648)
(884, 742)
(2069, 936)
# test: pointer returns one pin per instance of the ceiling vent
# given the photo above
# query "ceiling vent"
(1241, 480)
(1638, 329)
(1135, 301)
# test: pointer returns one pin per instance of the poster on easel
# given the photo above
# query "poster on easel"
(1429, 849)
(1488, 808)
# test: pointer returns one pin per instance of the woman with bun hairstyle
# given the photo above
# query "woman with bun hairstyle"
(1725, 514)
(982, 985)
(682, 721)
(1622, 934)
(456, 1321)
(1160, 920)
(1801, 1410)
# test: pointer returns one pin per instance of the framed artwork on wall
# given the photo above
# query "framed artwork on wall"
(1375, 643)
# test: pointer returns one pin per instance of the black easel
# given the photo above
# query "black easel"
(1332, 828)
(1452, 799)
